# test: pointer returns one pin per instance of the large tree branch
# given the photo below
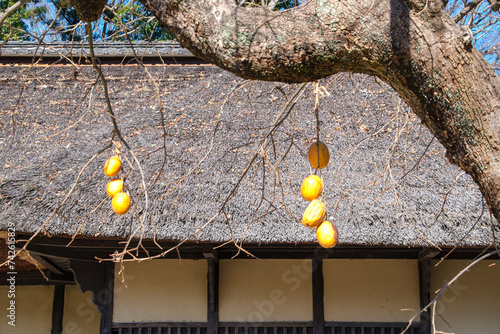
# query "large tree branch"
(413, 45)
(255, 42)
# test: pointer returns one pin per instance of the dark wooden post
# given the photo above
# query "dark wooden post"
(424, 275)
(212, 292)
(425, 296)
(58, 309)
(318, 291)
(98, 278)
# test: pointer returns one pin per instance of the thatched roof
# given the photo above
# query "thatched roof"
(385, 184)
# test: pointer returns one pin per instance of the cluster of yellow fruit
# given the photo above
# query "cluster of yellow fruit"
(120, 200)
(310, 189)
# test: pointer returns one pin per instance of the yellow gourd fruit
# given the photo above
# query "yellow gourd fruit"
(311, 188)
(314, 214)
(327, 234)
(318, 155)
(121, 203)
(112, 166)
(114, 187)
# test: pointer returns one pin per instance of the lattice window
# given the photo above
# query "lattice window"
(264, 328)
(369, 328)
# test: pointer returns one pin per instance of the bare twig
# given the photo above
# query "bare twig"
(467, 9)
(444, 287)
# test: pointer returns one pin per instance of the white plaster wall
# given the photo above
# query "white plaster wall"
(33, 312)
(265, 290)
(161, 290)
(370, 290)
(80, 314)
(472, 303)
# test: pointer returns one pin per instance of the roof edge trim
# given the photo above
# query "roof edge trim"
(108, 49)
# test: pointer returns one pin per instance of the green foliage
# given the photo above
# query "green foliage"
(18, 20)
(137, 21)
(124, 16)
(62, 25)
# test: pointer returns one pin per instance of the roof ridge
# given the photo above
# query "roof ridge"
(102, 49)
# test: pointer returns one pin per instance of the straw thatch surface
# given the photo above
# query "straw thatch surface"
(51, 132)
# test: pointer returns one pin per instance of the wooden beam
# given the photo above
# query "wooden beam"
(35, 277)
(58, 309)
(428, 254)
(424, 273)
(88, 249)
(212, 293)
(98, 278)
(318, 292)
(210, 253)
(46, 263)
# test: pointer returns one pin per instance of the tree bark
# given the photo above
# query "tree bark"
(413, 45)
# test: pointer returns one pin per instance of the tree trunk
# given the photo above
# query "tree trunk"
(413, 45)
